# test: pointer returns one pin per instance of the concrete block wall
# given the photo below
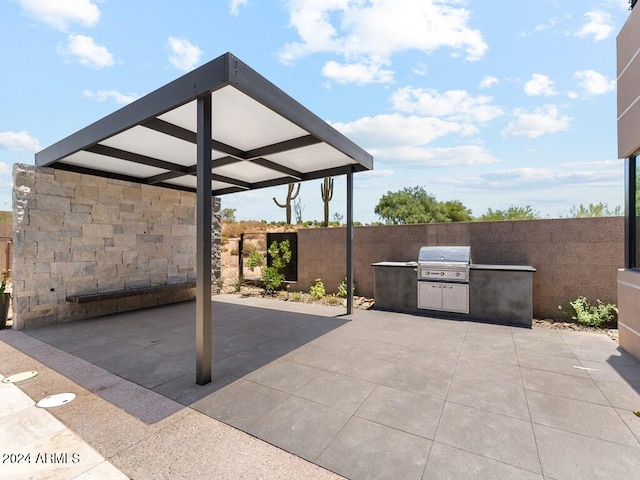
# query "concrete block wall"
(573, 256)
(77, 234)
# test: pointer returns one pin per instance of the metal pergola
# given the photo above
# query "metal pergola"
(219, 129)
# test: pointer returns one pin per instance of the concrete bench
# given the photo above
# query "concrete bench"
(132, 292)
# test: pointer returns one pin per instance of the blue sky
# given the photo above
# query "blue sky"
(490, 103)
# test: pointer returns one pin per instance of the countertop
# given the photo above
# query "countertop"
(473, 266)
(510, 268)
(395, 264)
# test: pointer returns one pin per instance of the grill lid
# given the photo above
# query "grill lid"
(442, 254)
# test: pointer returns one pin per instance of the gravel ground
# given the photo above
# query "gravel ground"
(562, 325)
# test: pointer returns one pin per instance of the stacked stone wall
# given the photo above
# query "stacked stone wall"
(78, 234)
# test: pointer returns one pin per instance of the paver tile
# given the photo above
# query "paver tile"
(590, 419)
(505, 439)
(448, 463)
(406, 411)
(365, 449)
(570, 456)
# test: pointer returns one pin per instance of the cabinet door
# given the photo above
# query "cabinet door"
(430, 295)
(455, 298)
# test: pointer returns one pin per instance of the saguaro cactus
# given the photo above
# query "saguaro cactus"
(287, 203)
(326, 191)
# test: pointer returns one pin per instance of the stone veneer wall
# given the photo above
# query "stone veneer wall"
(78, 234)
(573, 256)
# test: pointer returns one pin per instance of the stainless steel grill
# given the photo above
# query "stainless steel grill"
(445, 264)
(443, 278)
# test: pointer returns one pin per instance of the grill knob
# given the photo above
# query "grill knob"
(442, 274)
(457, 274)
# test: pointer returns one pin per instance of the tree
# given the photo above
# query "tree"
(511, 213)
(456, 211)
(415, 205)
(598, 210)
(228, 215)
(298, 208)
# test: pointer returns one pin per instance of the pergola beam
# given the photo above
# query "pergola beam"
(203, 239)
(349, 243)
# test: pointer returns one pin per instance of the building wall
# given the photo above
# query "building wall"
(573, 257)
(77, 234)
(628, 91)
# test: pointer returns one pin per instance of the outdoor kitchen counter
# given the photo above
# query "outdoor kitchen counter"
(497, 293)
(395, 287)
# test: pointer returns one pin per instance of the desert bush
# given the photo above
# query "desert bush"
(238, 283)
(598, 315)
(255, 260)
(333, 300)
(342, 288)
(296, 296)
(280, 255)
(317, 290)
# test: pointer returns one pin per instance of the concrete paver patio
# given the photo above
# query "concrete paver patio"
(369, 395)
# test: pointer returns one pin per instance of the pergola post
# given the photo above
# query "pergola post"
(349, 242)
(203, 239)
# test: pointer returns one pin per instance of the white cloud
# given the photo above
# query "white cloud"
(399, 139)
(370, 33)
(541, 179)
(564, 174)
(537, 122)
(553, 21)
(488, 81)
(413, 156)
(87, 52)
(594, 83)
(397, 130)
(19, 141)
(452, 104)
(421, 117)
(358, 73)
(375, 173)
(104, 95)
(61, 13)
(234, 6)
(539, 85)
(599, 24)
(420, 69)
(184, 54)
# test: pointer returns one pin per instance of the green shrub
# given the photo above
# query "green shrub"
(342, 289)
(272, 278)
(599, 315)
(280, 254)
(296, 297)
(238, 283)
(255, 260)
(317, 290)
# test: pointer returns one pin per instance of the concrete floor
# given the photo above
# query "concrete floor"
(369, 395)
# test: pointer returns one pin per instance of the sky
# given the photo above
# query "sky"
(491, 103)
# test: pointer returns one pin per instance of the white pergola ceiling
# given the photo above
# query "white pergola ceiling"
(260, 136)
